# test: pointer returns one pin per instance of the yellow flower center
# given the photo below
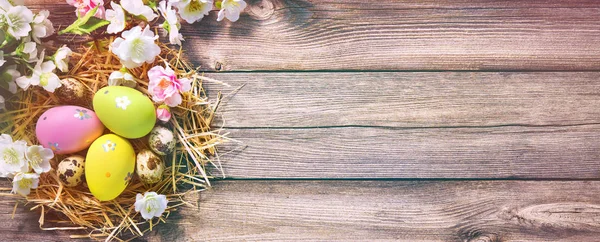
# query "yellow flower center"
(227, 4)
(25, 183)
(195, 6)
(151, 205)
(10, 156)
(44, 79)
(35, 159)
(137, 47)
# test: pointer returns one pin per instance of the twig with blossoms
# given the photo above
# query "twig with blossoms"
(23, 58)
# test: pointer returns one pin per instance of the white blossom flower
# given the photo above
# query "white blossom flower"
(42, 27)
(10, 75)
(193, 10)
(17, 21)
(39, 158)
(24, 182)
(137, 8)
(12, 156)
(7, 4)
(2, 105)
(30, 50)
(116, 16)
(231, 10)
(122, 102)
(5, 139)
(150, 204)
(61, 58)
(2, 61)
(121, 78)
(136, 47)
(171, 23)
(42, 75)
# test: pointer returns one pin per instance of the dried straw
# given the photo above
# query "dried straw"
(76, 208)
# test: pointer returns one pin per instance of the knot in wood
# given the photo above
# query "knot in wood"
(485, 238)
(559, 217)
(262, 10)
(218, 66)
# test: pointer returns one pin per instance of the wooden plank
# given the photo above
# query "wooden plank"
(394, 35)
(377, 210)
(409, 99)
(350, 152)
(398, 210)
(24, 226)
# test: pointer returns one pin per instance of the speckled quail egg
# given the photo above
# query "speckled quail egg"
(149, 167)
(73, 92)
(71, 170)
(161, 140)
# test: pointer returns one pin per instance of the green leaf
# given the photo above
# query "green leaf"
(2, 36)
(4, 79)
(93, 24)
(152, 5)
(85, 24)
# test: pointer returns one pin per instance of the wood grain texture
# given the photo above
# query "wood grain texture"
(409, 99)
(359, 152)
(372, 210)
(396, 210)
(24, 225)
(394, 35)
(373, 125)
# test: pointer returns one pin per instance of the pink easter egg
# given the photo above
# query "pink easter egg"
(68, 129)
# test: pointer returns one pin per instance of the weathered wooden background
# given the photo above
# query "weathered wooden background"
(447, 120)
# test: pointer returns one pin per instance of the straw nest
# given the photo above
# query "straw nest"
(75, 208)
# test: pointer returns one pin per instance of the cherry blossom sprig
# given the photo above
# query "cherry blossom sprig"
(137, 45)
(23, 58)
(23, 163)
(93, 15)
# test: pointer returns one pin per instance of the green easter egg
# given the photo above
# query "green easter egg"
(125, 111)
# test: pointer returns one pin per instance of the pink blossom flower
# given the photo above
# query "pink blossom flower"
(163, 113)
(165, 87)
(84, 6)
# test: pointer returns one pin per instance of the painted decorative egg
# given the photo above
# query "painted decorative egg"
(70, 170)
(68, 129)
(149, 167)
(125, 111)
(109, 166)
(161, 140)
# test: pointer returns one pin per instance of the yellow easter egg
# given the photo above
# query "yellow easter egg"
(109, 166)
